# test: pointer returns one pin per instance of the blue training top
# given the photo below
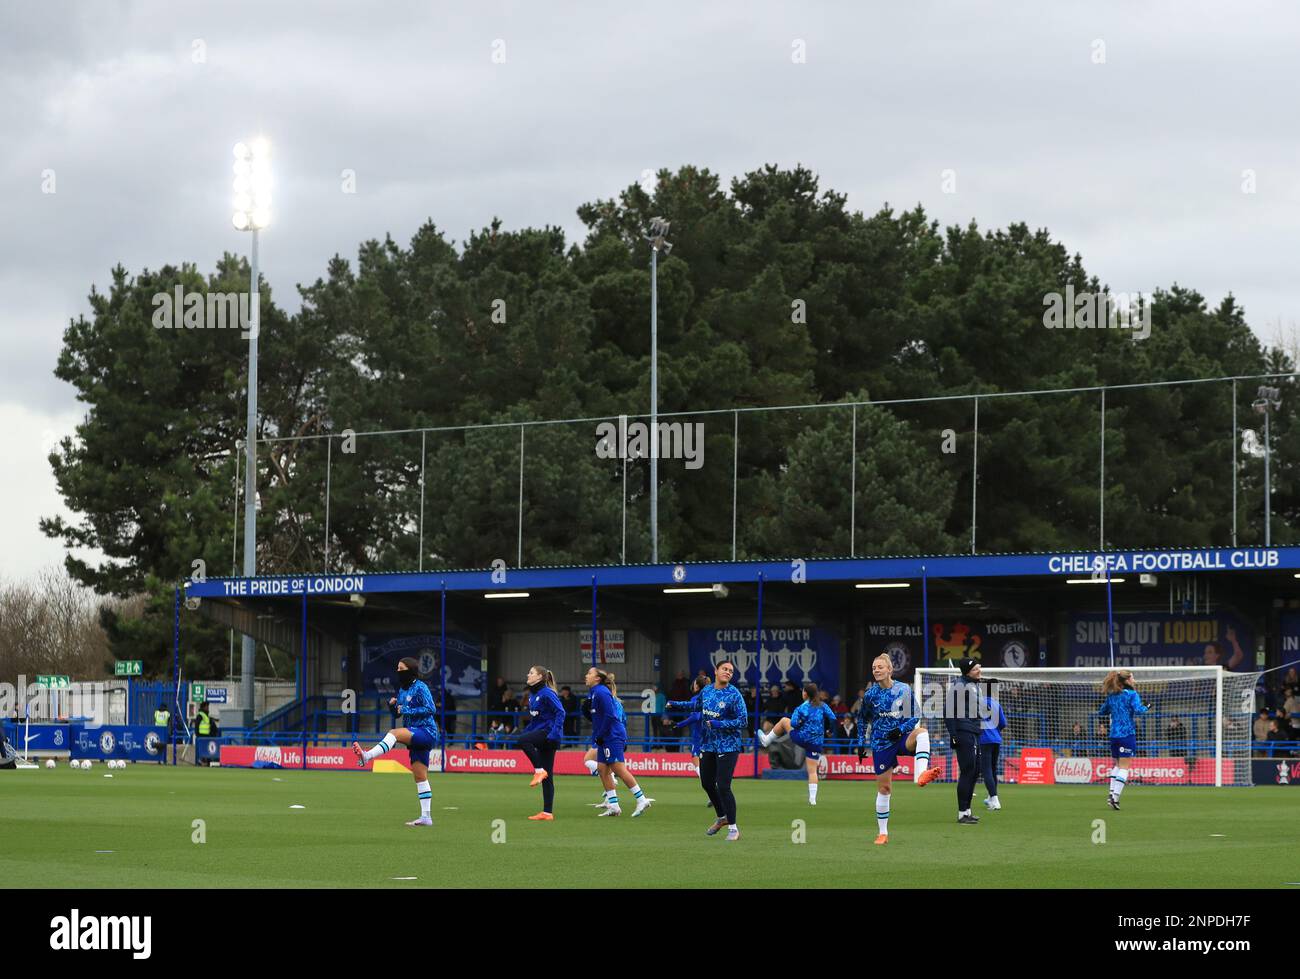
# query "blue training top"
(992, 725)
(607, 716)
(808, 722)
(723, 717)
(547, 712)
(415, 705)
(891, 713)
(1121, 707)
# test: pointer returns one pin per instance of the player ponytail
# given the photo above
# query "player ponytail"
(1116, 680)
(810, 692)
(548, 678)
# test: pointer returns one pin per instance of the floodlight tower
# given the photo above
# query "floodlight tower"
(252, 213)
(1267, 400)
(658, 239)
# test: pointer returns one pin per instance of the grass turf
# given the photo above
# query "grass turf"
(351, 834)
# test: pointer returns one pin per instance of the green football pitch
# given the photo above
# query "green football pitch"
(66, 828)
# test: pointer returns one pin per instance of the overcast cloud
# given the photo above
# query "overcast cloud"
(1137, 162)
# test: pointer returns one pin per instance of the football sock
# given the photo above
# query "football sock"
(882, 813)
(426, 796)
(1118, 779)
(922, 752)
(385, 744)
(812, 791)
(591, 767)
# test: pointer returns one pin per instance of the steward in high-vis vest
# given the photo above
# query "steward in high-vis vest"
(161, 717)
(204, 722)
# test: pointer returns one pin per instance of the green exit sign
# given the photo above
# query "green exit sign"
(197, 693)
(54, 682)
(128, 667)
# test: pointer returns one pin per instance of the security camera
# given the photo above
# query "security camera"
(192, 603)
(720, 591)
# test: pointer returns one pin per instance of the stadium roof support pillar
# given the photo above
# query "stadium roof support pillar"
(442, 675)
(925, 614)
(176, 670)
(758, 685)
(302, 679)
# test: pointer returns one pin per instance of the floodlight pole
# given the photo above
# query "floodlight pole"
(654, 403)
(248, 658)
(1268, 484)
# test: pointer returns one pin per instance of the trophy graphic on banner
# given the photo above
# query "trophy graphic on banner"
(744, 659)
(806, 659)
(785, 657)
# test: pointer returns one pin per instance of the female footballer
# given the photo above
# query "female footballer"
(723, 717)
(415, 707)
(1121, 703)
(541, 739)
(893, 713)
(609, 733)
(806, 728)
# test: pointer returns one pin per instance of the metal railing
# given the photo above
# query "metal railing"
(767, 430)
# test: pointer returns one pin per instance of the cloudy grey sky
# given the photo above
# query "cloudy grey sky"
(1125, 128)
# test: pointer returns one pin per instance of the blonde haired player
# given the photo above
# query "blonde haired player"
(1121, 703)
(893, 713)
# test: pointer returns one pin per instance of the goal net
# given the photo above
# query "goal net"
(1199, 716)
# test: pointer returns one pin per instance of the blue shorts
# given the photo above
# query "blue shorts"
(1124, 747)
(812, 749)
(610, 752)
(421, 743)
(884, 759)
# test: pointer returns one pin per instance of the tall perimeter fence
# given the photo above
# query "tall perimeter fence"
(741, 472)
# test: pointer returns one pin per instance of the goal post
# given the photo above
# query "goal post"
(1197, 731)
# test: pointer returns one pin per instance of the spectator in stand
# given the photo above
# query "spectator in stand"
(791, 698)
(1292, 678)
(572, 711)
(449, 705)
(703, 676)
(1292, 702)
(1260, 727)
(837, 705)
(773, 706)
(846, 729)
(668, 736)
(1078, 740)
(681, 688)
(1275, 734)
(1175, 734)
(660, 701)
(857, 704)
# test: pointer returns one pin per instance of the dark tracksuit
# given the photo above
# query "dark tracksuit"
(961, 716)
(991, 746)
(541, 739)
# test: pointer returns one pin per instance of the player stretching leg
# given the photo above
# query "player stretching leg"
(414, 705)
(542, 737)
(893, 714)
(1121, 703)
(610, 735)
(694, 721)
(806, 728)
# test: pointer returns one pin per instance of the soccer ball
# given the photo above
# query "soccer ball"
(85, 764)
(49, 762)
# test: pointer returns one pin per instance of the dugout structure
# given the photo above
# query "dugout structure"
(1078, 609)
